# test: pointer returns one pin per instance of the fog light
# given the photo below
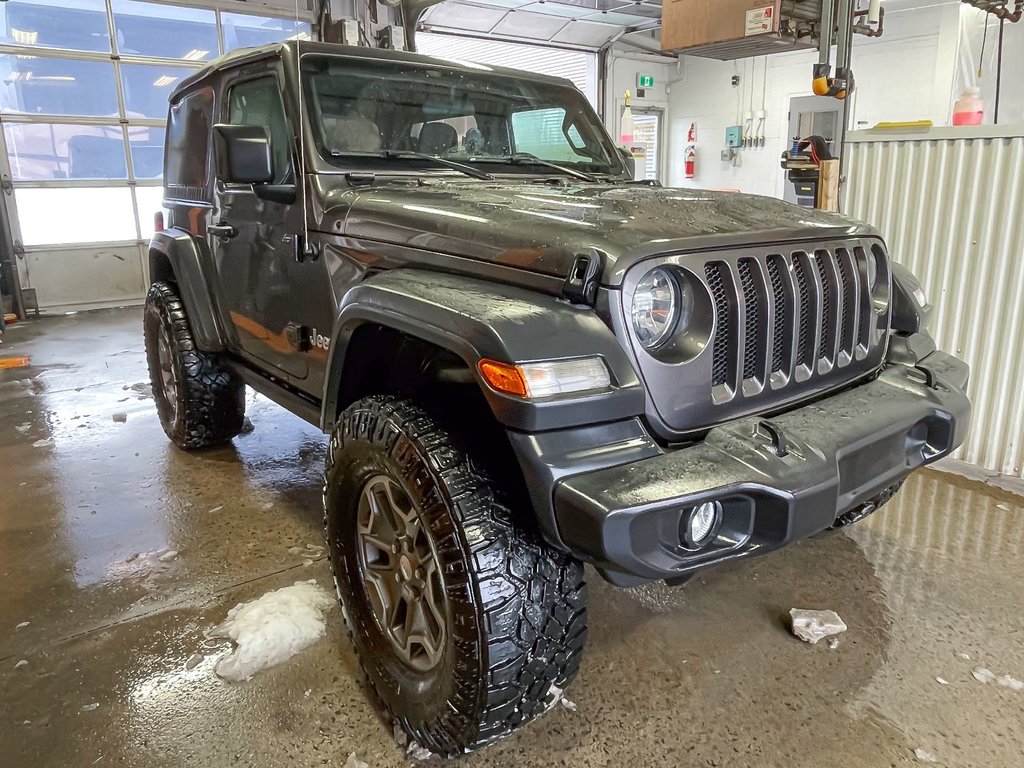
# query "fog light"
(702, 523)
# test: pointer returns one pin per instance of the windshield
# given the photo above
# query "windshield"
(363, 111)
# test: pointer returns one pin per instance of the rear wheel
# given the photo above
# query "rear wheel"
(201, 403)
(463, 620)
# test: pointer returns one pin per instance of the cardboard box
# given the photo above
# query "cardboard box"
(693, 23)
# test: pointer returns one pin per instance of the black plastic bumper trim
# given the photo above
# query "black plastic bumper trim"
(842, 451)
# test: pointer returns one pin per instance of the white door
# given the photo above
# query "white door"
(815, 116)
(647, 133)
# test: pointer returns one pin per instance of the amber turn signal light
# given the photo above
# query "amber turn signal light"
(549, 378)
(503, 377)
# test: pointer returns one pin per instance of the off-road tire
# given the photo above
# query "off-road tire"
(515, 606)
(206, 405)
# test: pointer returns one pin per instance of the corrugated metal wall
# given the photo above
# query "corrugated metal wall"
(951, 211)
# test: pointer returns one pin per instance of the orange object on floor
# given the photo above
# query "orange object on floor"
(10, 318)
(13, 362)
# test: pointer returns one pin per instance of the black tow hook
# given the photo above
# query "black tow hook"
(929, 376)
(778, 445)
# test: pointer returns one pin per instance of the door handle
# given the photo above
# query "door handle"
(223, 230)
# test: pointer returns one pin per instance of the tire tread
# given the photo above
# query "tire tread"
(211, 407)
(528, 598)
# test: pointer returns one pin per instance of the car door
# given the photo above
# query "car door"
(253, 242)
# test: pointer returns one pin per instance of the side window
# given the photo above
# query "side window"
(258, 102)
(188, 146)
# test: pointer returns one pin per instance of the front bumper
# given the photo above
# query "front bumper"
(777, 482)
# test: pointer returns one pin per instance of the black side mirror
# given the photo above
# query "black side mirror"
(242, 154)
(629, 161)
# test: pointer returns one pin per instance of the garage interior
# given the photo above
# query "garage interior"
(119, 552)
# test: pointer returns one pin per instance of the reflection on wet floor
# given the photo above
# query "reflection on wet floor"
(120, 551)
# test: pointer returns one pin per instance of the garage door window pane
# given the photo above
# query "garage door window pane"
(147, 148)
(147, 88)
(242, 30)
(52, 216)
(148, 29)
(39, 151)
(80, 25)
(151, 202)
(45, 86)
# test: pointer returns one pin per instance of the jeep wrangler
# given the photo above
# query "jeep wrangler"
(525, 360)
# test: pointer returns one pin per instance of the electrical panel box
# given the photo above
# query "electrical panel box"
(349, 32)
(734, 136)
(392, 38)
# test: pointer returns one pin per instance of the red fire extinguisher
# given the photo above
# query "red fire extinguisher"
(690, 162)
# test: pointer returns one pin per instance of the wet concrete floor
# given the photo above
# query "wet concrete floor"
(706, 675)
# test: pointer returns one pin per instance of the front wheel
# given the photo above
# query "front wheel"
(463, 620)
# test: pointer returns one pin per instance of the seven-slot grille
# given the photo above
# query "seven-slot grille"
(788, 317)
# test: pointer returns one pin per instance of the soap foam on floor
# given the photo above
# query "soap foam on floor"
(272, 629)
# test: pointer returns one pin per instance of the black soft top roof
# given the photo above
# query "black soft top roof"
(288, 50)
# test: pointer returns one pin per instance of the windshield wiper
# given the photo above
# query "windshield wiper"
(525, 158)
(391, 154)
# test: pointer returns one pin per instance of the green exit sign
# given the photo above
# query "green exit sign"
(645, 81)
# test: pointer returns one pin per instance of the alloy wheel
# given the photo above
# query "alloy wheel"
(168, 382)
(401, 576)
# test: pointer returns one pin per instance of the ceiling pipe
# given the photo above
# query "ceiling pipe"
(652, 49)
(412, 10)
(869, 28)
(1000, 8)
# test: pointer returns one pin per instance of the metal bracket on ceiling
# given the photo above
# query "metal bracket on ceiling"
(1000, 8)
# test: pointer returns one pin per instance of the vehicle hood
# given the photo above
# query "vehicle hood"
(542, 228)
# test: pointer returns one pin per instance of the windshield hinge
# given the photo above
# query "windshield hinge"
(302, 249)
(584, 277)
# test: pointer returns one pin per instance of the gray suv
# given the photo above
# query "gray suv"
(525, 360)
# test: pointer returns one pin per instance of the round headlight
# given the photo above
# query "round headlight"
(871, 265)
(660, 305)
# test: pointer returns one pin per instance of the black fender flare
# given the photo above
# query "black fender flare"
(477, 319)
(908, 314)
(185, 254)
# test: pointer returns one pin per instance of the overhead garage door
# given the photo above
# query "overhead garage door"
(83, 101)
(578, 66)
